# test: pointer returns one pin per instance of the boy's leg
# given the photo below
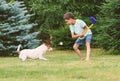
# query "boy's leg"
(88, 41)
(75, 47)
(88, 51)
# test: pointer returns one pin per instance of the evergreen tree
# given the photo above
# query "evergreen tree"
(15, 27)
(109, 31)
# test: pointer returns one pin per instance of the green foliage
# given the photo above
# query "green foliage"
(15, 28)
(109, 17)
(49, 13)
(62, 35)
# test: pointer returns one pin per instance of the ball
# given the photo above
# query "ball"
(61, 43)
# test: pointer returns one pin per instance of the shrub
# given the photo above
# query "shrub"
(62, 35)
(109, 17)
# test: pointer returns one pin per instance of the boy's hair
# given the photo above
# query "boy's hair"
(68, 15)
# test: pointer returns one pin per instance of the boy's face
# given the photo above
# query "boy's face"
(69, 21)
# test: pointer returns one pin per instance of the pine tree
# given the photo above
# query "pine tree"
(15, 27)
(109, 31)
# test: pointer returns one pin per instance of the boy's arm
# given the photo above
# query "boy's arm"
(80, 35)
(76, 36)
(85, 30)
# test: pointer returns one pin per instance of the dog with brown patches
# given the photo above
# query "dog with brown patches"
(36, 53)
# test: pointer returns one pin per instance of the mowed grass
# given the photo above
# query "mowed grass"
(62, 66)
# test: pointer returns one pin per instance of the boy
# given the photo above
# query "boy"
(79, 30)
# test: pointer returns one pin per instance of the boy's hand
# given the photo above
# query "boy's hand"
(76, 36)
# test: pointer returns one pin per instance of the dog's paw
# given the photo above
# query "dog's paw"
(43, 59)
(50, 49)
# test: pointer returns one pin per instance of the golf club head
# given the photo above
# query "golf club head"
(93, 20)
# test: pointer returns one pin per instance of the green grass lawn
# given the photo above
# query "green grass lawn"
(62, 66)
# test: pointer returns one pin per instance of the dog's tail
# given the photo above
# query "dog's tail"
(18, 49)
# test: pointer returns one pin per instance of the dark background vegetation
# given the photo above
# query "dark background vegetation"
(49, 17)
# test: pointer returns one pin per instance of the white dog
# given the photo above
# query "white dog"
(36, 53)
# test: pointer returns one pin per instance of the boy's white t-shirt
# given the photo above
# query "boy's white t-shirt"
(78, 27)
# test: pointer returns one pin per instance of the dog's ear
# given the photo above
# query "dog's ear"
(47, 43)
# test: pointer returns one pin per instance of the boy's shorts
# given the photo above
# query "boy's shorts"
(86, 39)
